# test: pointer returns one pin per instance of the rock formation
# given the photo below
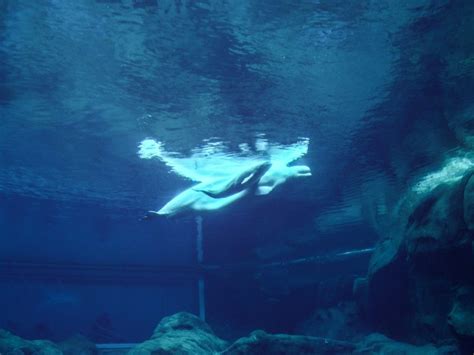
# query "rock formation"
(420, 281)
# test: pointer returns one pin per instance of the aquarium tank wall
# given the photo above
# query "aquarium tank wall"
(236, 177)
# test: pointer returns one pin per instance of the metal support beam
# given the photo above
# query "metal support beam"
(200, 258)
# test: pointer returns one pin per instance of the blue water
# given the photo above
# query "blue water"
(82, 83)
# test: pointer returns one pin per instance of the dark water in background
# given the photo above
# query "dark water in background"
(83, 82)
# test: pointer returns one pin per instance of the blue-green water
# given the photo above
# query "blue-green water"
(380, 89)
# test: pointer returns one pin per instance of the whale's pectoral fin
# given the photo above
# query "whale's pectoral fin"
(264, 190)
(217, 189)
(208, 193)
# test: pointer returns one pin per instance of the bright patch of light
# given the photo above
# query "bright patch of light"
(453, 171)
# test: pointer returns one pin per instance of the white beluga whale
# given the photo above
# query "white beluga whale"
(213, 195)
(221, 178)
(280, 156)
(192, 200)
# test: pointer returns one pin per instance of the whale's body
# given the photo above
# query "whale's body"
(223, 179)
(192, 200)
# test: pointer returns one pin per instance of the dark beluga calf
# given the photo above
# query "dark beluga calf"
(228, 187)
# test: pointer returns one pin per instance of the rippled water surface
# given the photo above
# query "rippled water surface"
(84, 82)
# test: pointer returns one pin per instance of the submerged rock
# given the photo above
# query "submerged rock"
(469, 203)
(341, 322)
(186, 334)
(77, 345)
(437, 222)
(14, 345)
(380, 344)
(461, 120)
(181, 333)
(425, 256)
(260, 342)
(461, 317)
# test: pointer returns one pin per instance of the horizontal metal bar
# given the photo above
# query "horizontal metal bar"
(150, 274)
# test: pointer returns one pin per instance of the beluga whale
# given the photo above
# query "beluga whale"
(222, 179)
(280, 156)
(213, 195)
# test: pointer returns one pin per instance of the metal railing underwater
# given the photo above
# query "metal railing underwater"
(161, 275)
(96, 273)
(149, 274)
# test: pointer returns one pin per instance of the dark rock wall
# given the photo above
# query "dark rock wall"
(419, 286)
(421, 274)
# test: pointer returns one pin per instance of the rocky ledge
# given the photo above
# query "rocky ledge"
(14, 345)
(184, 333)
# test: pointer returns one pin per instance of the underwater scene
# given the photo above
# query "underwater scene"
(236, 177)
